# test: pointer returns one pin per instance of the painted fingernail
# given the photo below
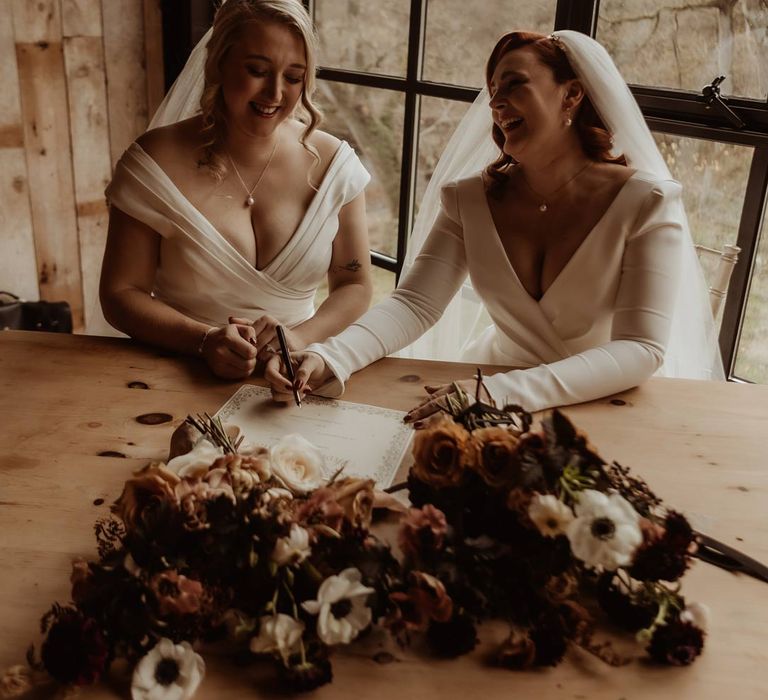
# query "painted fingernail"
(407, 418)
(418, 424)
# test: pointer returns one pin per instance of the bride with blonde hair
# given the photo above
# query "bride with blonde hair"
(231, 211)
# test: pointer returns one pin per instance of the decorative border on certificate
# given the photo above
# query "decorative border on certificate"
(368, 441)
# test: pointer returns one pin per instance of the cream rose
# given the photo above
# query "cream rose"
(297, 463)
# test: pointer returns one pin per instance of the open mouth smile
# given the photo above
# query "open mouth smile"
(264, 110)
(511, 124)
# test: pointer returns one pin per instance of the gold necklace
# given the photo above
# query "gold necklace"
(249, 200)
(547, 199)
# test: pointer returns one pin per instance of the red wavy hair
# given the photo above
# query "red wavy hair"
(595, 139)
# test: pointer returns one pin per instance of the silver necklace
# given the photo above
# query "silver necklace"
(249, 200)
(547, 199)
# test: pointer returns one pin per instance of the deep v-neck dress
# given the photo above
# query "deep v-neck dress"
(600, 327)
(202, 275)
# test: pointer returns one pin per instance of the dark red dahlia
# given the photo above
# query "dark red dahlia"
(667, 557)
(676, 643)
(75, 650)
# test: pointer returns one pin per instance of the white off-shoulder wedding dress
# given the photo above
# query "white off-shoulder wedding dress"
(601, 327)
(203, 276)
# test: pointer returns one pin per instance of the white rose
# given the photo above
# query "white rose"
(277, 633)
(195, 463)
(297, 463)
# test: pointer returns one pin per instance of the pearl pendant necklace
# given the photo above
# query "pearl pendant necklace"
(249, 200)
(543, 207)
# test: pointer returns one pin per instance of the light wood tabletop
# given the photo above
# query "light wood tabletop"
(70, 434)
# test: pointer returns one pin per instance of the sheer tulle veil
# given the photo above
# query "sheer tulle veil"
(692, 349)
(183, 99)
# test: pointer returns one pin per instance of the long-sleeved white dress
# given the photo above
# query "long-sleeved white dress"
(203, 276)
(601, 327)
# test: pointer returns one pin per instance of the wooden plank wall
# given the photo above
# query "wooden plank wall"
(78, 79)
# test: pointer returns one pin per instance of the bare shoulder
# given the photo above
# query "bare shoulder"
(325, 143)
(173, 143)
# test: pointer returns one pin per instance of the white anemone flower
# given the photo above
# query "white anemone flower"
(277, 633)
(167, 672)
(605, 531)
(340, 607)
(293, 549)
(550, 515)
(297, 463)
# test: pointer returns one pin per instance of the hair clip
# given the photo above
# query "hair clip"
(557, 41)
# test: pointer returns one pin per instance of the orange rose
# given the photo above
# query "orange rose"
(355, 496)
(151, 488)
(440, 453)
(495, 456)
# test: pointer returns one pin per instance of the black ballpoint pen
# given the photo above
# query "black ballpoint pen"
(286, 355)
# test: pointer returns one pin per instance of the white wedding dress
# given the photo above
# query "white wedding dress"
(600, 328)
(203, 276)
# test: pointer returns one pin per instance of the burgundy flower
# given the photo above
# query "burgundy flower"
(425, 600)
(300, 676)
(666, 552)
(454, 637)
(422, 531)
(549, 635)
(517, 653)
(676, 643)
(74, 651)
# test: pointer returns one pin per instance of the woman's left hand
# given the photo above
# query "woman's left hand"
(438, 399)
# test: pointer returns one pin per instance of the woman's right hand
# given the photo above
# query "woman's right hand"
(310, 371)
(229, 352)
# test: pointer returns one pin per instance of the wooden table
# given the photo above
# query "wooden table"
(69, 438)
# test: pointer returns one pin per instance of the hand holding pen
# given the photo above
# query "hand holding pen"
(285, 354)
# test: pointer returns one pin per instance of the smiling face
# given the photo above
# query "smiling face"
(528, 104)
(262, 77)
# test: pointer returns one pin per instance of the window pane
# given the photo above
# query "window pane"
(752, 353)
(371, 120)
(363, 35)
(461, 34)
(687, 44)
(438, 120)
(714, 178)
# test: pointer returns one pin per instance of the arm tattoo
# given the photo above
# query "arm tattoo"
(352, 266)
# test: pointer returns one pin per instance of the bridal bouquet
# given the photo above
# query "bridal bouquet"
(536, 529)
(252, 549)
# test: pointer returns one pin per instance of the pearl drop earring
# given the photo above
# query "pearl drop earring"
(568, 120)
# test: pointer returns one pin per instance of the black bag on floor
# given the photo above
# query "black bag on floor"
(18, 315)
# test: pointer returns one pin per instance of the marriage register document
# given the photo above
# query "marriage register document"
(367, 441)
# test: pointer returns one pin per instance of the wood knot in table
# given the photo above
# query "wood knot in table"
(154, 418)
(138, 385)
(410, 378)
(618, 402)
(111, 453)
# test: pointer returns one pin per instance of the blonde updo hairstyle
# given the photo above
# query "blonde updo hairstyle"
(231, 17)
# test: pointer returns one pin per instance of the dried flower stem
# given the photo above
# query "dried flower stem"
(212, 430)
